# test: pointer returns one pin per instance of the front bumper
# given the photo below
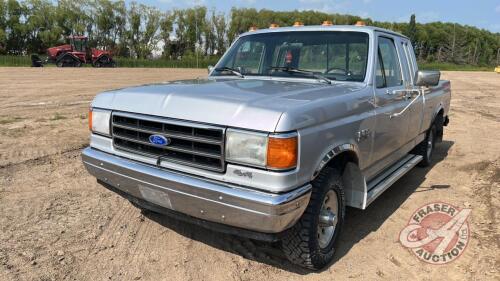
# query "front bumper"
(199, 197)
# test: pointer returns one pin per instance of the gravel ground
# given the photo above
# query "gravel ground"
(58, 224)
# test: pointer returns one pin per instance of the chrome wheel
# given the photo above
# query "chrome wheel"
(328, 219)
(430, 144)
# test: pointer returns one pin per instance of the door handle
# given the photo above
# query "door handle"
(396, 92)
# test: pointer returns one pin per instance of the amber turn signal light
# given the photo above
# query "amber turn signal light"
(90, 119)
(282, 153)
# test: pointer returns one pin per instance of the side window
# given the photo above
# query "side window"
(249, 56)
(388, 64)
(379, 73)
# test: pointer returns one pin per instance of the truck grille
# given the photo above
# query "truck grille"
(190, 144)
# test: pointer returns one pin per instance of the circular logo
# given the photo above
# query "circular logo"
(159, 140)
(437, 233)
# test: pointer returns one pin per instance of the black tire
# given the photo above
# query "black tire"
(301, 244)
(426, 147)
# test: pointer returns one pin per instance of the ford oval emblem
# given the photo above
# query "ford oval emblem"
(159, 140)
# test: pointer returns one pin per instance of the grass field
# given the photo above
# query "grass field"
(203, 62)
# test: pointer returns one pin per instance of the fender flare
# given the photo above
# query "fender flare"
(436, 112)
(332, 153)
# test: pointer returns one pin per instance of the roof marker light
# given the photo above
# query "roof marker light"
(274, 25)
(252, 28)
(360, 23)
(327, 23)
(298, 23)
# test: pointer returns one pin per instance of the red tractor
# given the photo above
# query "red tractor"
(77, 52)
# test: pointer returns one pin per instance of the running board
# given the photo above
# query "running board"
(378, 185)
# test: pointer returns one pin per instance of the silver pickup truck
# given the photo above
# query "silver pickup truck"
(290, 127)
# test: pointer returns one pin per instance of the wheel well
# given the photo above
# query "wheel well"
(439, 120)
(441, 112)
(340, 160)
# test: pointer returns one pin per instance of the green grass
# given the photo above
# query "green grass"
(164, 63)
(453, 67)
(203, 62)
(15, 61)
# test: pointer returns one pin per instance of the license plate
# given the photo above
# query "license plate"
(154, 196)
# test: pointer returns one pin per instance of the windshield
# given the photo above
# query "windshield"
(334, 55)
(80, 44)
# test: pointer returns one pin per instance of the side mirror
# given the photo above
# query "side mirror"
(427, 78)
(210, 68)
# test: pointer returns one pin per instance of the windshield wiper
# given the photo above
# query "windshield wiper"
(301, 71)
(232, 70)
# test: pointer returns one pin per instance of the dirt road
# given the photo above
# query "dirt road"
(57, 224)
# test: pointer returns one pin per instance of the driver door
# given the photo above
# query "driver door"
(391, 130)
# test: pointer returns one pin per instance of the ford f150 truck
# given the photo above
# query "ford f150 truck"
(292, 125)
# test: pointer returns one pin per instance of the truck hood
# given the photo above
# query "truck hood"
(256, 104)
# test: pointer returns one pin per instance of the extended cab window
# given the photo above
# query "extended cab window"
(388, 73)
(336, 55)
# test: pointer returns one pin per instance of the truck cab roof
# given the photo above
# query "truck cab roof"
(367, 29)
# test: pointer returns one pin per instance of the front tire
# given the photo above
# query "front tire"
(311, 242)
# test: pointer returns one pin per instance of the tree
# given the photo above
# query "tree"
(3, 33)
(142, 35)
(73, 17)
(40, 25)
(166, 29)
(412, 29)
(16, 30)
(219, 22)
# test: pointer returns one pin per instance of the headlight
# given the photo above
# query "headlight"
(271, 151)
(99, 121)
(246, 147)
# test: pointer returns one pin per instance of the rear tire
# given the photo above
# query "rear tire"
(311, 242)
(426, 147)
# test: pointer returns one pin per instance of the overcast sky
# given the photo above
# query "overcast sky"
(481, 13)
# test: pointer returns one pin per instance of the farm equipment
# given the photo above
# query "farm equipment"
(77, 53)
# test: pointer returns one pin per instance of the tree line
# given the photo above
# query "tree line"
(139, 31)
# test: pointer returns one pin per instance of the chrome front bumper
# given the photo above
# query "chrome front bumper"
(199, 197)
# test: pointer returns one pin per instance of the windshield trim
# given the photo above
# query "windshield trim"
(284, 79)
